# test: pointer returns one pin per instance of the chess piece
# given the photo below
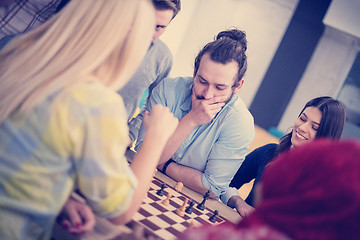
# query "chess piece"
(188, 210)
(213, 217)
(160, 192)
(179, 186)
(181, 210)
(166, 201)
(201, 205)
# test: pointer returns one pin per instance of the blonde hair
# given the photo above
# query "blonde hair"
(103, 39)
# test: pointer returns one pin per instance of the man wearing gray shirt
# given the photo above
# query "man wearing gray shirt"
(156, 64)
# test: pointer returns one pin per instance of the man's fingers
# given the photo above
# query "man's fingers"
(214, 108)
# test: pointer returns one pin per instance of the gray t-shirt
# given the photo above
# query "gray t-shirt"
(155, 66)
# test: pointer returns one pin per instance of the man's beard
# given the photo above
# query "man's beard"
(200, 97)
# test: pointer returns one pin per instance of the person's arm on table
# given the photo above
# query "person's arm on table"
(147, 157)
(249, 170)
(240, 205)
(232, 198)
(202, 112)
(190, 177)
(225, 157)
(228, 153)
(246, 172)
(78, 218)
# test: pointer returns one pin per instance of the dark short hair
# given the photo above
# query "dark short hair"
(174, 5)
(333, 116)
(228, 46)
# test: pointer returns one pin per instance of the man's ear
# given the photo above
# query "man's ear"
(239, 85)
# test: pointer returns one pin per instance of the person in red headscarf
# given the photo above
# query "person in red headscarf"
(311, 192)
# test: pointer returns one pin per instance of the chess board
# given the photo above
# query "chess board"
(162, 222)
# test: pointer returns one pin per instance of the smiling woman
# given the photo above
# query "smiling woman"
(306, 126)
(327, 112)
(321, 117)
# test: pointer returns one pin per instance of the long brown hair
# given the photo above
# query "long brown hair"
(332, 122)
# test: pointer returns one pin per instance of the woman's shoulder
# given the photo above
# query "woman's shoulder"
(266, 149)
(91, 99)
(94, 94)
(270, 146)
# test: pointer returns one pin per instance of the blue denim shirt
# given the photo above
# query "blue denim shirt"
(217, 148)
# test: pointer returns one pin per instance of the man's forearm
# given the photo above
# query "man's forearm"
(190, 177)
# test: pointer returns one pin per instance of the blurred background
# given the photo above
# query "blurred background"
(297, 50)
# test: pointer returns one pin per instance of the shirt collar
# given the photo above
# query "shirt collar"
(186, 105)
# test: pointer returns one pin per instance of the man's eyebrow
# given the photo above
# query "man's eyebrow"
(217, 84)
(221, 85)
(202, 77)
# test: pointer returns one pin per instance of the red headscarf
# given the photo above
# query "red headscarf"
(312, 192)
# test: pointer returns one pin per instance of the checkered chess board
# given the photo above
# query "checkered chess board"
(162, 222)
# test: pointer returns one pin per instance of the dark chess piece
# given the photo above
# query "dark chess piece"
(188, 210)
(201, 206)
(160, 192)
(213, 217)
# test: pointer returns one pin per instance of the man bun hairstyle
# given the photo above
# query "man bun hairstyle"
(229, 45)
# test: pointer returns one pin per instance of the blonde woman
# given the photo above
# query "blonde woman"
(60, 124)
